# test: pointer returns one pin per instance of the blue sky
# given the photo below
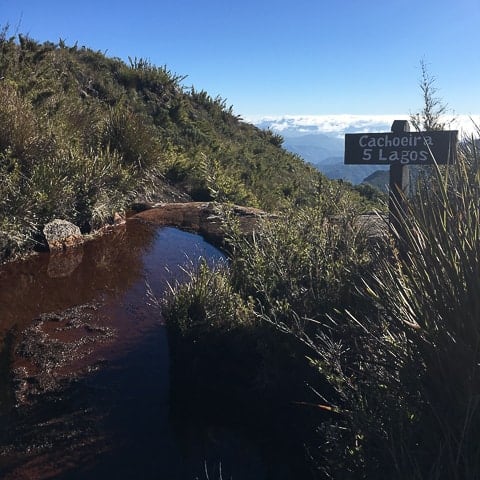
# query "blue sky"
(276, 57)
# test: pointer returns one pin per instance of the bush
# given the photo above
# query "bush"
(295, 271)
(206, 301)
(306, 261)
(18, 124)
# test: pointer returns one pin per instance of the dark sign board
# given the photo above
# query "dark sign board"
(405, 148)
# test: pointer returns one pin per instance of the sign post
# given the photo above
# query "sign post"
(399, 149)
(399, 184)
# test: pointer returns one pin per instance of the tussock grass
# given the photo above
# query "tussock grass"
(205, 301)
(435, 293)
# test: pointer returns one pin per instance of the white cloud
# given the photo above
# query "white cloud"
(338, 125)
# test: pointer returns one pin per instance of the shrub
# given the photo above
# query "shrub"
(207, 300)
(18, 124)
(133, 137)
(307, 260)
(292, 275)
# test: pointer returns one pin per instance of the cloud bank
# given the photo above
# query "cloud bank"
(338, 125)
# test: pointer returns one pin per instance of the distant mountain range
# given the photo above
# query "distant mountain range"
(315, 148)
(319, 139)
(379, 179)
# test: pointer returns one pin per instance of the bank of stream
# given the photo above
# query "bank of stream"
(85, 388)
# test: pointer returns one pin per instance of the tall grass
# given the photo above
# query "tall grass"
(81, 164)
(435, 293)
(407, 388)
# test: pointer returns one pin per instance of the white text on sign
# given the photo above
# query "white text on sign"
(415, 148)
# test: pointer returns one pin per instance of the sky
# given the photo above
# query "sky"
(278, 57)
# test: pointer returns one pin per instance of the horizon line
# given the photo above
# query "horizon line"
(363, 115)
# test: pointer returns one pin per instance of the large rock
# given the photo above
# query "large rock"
(61, 234)
(203, 217)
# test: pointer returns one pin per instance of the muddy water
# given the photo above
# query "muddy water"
(84, 367)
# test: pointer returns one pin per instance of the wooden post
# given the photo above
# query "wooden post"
(399, 186)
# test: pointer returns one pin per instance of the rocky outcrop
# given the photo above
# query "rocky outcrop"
(205, 218)
(61, 234)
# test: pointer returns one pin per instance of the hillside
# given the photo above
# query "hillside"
(83, 135)
(379, 179)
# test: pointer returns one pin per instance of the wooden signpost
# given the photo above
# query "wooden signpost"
(399, 149)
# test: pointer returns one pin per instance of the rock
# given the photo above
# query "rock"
(205, 218)
(61, 234)
(139, 206)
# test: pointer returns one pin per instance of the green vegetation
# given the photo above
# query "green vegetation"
(392, 340)
(435, 293)
(376, 354)
(83, 135)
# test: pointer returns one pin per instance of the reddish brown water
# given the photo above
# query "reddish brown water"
(84, 369)
(85, 388)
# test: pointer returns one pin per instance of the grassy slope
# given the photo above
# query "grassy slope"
(82, 135)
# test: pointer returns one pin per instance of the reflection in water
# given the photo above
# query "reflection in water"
(61, 265)
(38, 285)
